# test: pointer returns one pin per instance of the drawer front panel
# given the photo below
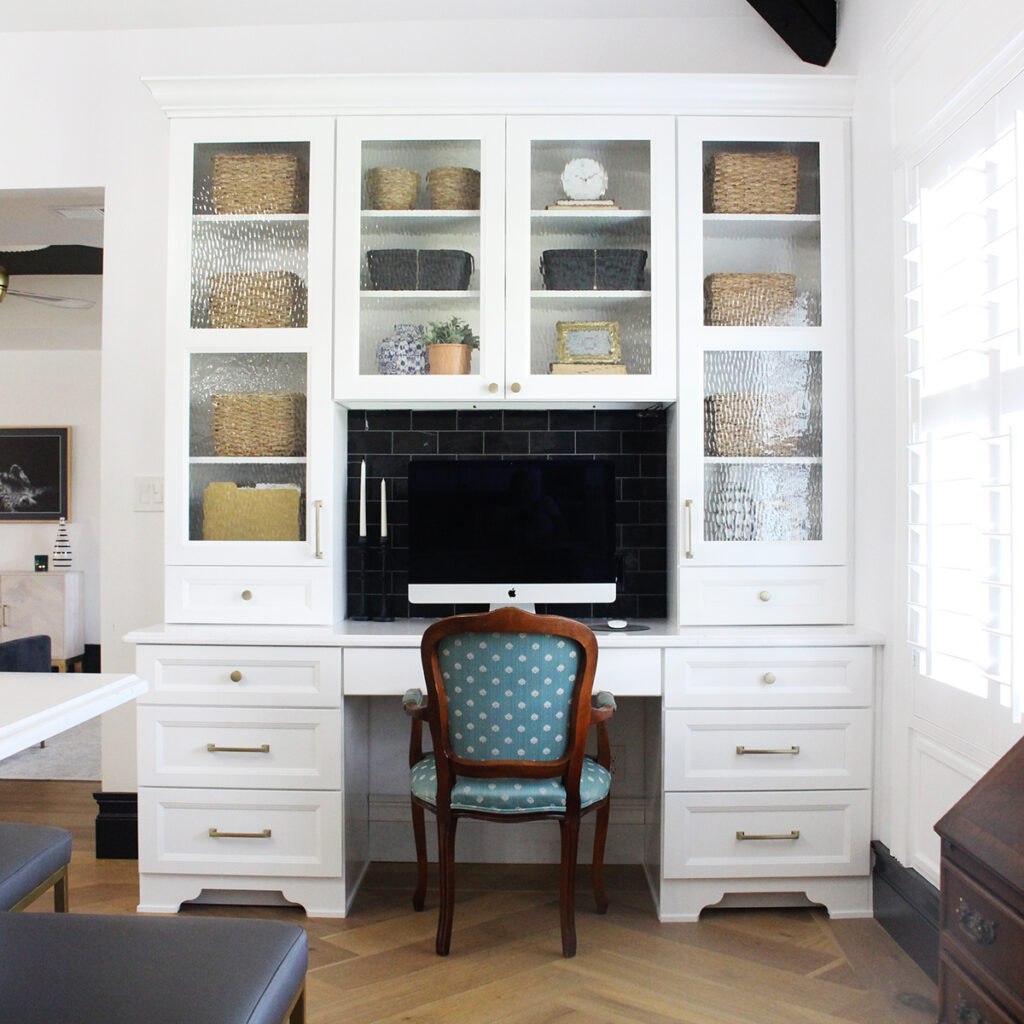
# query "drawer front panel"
(771, 749)
(769, 677)
(714, 835)
(241, 676)
(633, 672)
(979, 928)
(256, 595)
(254, 833)
(962, 1001)
(259, 748)
(763, 596)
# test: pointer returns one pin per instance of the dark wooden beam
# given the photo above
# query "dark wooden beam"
(54, 259)
(808, 27)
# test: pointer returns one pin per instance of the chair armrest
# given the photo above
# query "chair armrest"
(603, 708)
(415, 704)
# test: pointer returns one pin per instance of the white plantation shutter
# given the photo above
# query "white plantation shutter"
(965, 248)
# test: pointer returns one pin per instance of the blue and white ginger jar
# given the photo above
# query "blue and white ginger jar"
(403, 352)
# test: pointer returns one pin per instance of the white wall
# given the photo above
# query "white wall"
(59, 389)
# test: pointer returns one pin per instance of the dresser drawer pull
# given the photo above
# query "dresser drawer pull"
(754, 750)
(217, 834)
(236, 676)
(768, 677)
(965, 1013)
(972, 924)
(263, 748)
(246, 595)
(795, 834)
(764, 595)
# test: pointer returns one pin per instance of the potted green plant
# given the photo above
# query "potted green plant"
(450, 345)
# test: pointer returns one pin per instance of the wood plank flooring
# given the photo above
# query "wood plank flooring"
(378, 965)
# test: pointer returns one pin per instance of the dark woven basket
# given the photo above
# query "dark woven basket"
(589, 269)
(419, 269)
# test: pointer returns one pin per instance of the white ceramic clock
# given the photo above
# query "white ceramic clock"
(584, 178)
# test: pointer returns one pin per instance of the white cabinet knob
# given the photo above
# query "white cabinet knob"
(246, 595)
(765, 595)
(768, 677)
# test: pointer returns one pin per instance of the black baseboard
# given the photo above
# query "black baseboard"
(907, 907)
(91, 658)
(117, 826)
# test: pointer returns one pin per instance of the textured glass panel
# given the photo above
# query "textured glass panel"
(267, 501)
(762, 501)
(233, 373)
(762, 403)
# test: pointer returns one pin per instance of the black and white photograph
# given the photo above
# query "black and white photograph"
(35, 474)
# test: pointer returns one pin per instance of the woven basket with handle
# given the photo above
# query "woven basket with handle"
(749, 300)
(753, 182)
(454, 188)
(255, 183)
(273, 298)
(392, 188)
(259, 423)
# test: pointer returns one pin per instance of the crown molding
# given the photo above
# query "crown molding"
(524, 93)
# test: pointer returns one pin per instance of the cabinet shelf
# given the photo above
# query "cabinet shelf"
(236, 460)
(583, 216)
(563, 295)
(413, 215)
(754, 460)
(250, 218)
(401, 297)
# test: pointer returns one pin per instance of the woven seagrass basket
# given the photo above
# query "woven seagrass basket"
(750, 424)
(259, 423)
(749, 300)
(250, 513)
(255, 183)
(454, 188)
(392, 188)
(273, 298)
(753, 182)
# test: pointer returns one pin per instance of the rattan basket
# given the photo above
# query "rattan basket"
(392, 188)
(255, 183)
(274, 298)
(749, 300)
(753, 182)
(750, 424)
(259, 423)
(231, 512)
(454, 188)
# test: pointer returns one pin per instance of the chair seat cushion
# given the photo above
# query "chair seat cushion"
(510, 796)
(98, 969)
(29, 855)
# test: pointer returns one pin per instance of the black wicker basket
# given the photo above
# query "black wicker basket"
(419, 269)
(588, 269)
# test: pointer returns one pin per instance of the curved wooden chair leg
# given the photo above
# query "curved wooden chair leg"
(419, 834)
(567, 896)
(597, 869)
(446, 879)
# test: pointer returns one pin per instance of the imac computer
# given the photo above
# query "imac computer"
(519, 531)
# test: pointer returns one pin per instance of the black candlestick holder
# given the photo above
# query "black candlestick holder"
(364, 544)
(384, 609)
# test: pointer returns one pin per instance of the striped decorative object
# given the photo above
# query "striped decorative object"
(61, 557)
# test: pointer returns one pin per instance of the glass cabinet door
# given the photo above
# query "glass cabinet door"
(419, 258)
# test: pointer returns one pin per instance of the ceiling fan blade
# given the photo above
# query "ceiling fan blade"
(61, 301)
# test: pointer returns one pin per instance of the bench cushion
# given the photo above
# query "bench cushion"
(98, 969)
(29, 855)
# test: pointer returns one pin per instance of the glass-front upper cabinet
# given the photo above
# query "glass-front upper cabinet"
(763, 328)
(420, 258)
(590, 261)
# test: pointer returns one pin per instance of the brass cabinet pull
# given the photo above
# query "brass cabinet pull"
(965, 1013)
(319, 506)
(236, 676)
(263, 748)
(3, 615)
(516, 387)
(493, 387)
(246, 595)
(972, 924)
(754, 750)
(768, 677)
(217, 834)
(764, 595)
(688, 507)
(795, 834)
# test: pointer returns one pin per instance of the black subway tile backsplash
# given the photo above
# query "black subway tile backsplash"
(635, 441)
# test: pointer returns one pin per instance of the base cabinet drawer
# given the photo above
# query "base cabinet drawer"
(240, 832)
(788, 834)
(260, 748)
(768, 749)
(966, 1002)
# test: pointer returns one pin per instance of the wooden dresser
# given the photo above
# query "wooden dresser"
(981, 948)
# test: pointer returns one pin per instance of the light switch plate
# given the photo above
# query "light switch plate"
(149, 494)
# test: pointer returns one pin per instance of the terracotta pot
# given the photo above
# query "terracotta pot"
(449, 358)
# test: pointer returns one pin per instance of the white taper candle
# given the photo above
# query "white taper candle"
(383, 508)
(362, 498)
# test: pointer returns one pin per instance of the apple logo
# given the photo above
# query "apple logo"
(511, 591)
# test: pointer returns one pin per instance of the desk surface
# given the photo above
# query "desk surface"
(37, 705)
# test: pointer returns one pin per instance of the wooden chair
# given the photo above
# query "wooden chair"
(509, 709)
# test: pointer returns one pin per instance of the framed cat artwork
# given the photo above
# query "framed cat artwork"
(35, 474)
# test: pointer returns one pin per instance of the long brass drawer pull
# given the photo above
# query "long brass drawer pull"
(754, 750)
(217, 834)
(795, 834)
(688, 508)
(978, 928)
(263, 748)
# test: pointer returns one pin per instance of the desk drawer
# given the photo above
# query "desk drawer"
(258, 748)
(756, 677)
(818, 833)
(771, 749)
(254, 832)
(241, 676)
(963, 1001)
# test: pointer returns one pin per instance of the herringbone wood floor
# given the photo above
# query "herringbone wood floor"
(378, 966)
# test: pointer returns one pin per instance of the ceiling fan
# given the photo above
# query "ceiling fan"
(22, 260)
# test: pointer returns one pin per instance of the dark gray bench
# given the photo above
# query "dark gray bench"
(113, 969)
(32, 859)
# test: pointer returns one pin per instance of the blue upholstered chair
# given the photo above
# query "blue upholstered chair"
(26, 654)
(509, 709)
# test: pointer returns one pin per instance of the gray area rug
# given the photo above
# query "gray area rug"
(74, 754)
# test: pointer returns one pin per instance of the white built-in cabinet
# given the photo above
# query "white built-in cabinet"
(502, 239)
(250, 442)
(762, 428)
